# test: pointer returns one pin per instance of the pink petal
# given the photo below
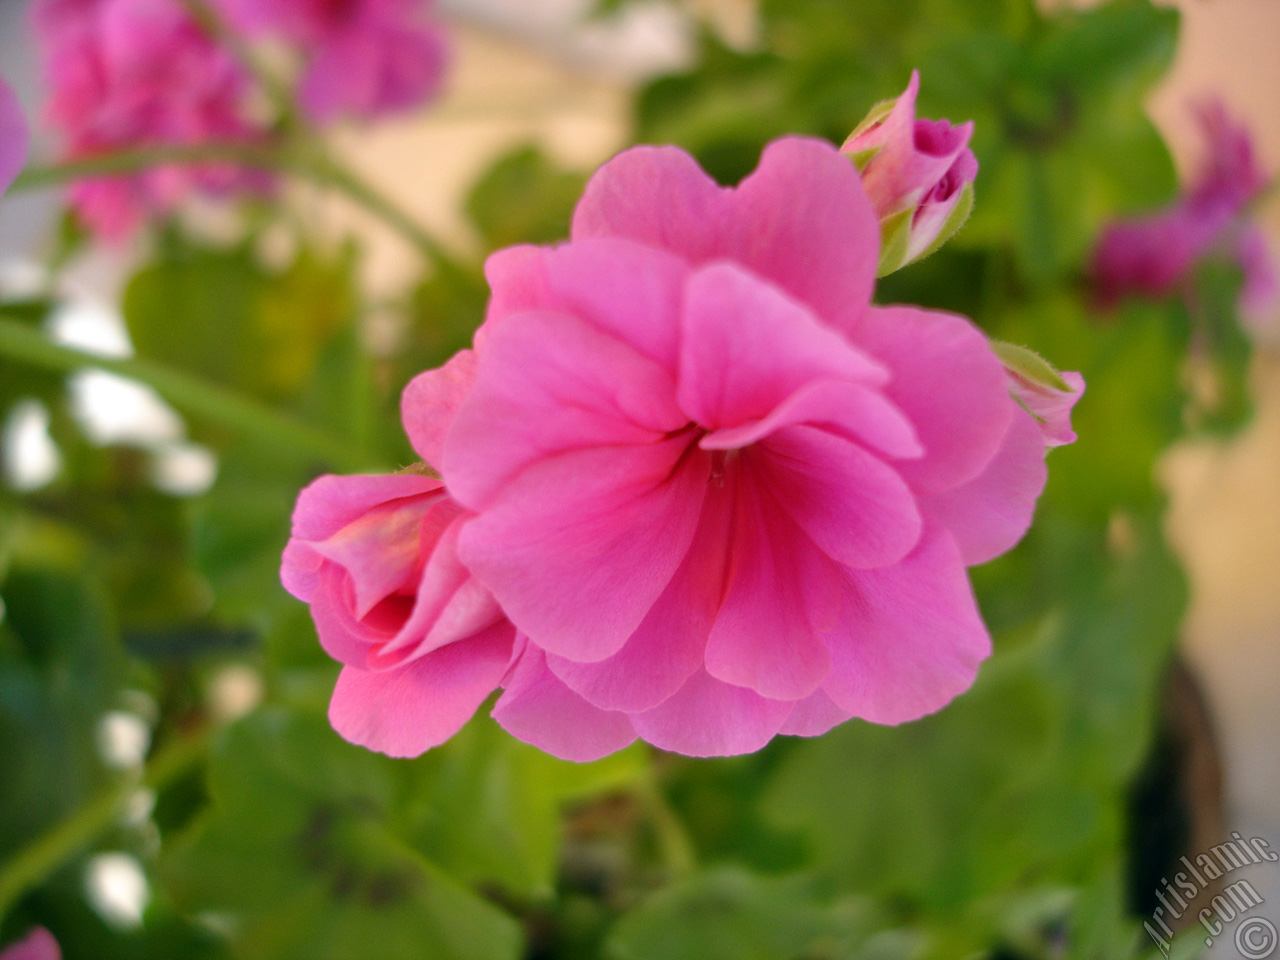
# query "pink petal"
(667, 648)
(547, 383)
(406, 711)
(766, 634)
(343, 637)
(1049, 406)
(331, 502)
(581, 545)
(539, 709)
(707, 718)
(991, 513)
(801, 220)
(910, 638)
(380, 549)
(853, 506)
(858, 413)
(431, 401)
(747, 348)
(625, 289)
(449, 605)
(326, 506)
(813, 716)
(949, 383)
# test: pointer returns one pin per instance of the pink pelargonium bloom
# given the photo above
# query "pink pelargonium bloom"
(422, 643)
(917, 173)
(128, 74)
(14, 137)
(39, 944)
(721, 494)
(1156, 255)
(364, 58)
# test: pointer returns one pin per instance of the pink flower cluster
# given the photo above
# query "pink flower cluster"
(364, 58)
(131, 74)
(696, 487)
(1156, 255)
(138, 74)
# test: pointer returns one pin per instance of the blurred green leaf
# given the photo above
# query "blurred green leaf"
(524, 198)
(728, 914)
(60, 670)
(304, 854)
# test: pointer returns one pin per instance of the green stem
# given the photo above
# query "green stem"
(63, 841)
(676, 847)
(185, 392)
(258, 156)
(311, 165)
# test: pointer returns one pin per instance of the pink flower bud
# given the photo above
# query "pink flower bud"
(1045, 393)
(918, 175)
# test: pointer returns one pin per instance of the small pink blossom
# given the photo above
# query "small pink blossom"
(39, 944)
(422, 643)
(130, 74)
(918, 175)
(1156, 255)
(364, 58)
(720, 495)
(14, 137)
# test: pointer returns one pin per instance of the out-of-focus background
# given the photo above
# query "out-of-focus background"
(544, 71)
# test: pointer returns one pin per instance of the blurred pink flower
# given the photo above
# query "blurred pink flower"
(917, 174)
(14, 137)
(1156, 255)
(39, 944)
(720, 494)
(422, 643)
(364, 58)
(131, 74)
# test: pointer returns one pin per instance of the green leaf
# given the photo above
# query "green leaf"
(492, 805)
(524, 198)
(60, 670)
(306, 854)
(728, 914)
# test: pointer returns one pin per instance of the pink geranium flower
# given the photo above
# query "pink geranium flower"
(1156, 255)
(128, 74)
(364, 58)
(422, 643)
(720, 495)
(39, 944)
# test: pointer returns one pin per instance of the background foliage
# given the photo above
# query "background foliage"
(1002, 828)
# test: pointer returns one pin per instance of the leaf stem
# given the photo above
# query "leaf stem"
(187, 393)
(674, 843)
(64, 840)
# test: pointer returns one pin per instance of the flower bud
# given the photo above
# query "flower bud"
(918, 174)
(1042, 391)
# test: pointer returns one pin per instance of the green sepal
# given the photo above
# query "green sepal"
(1030, 366)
